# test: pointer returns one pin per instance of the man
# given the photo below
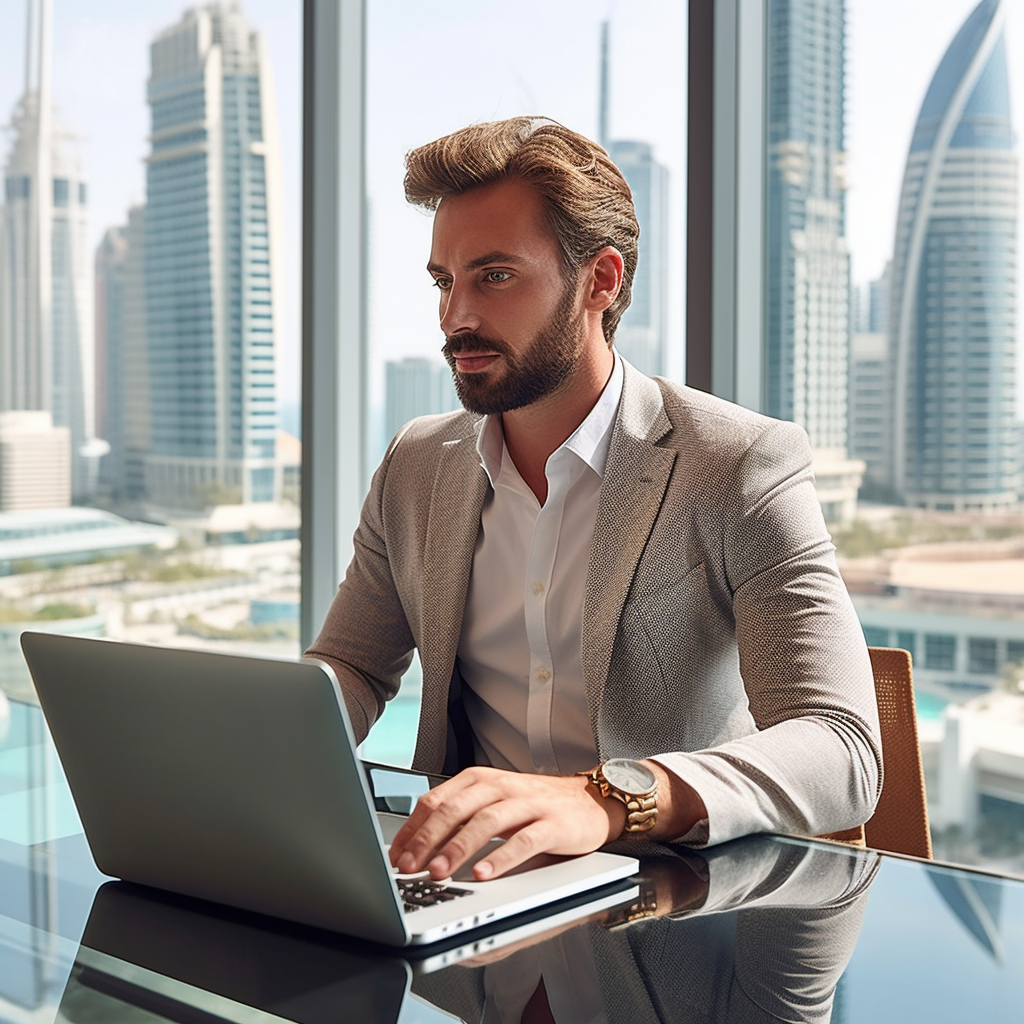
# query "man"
(593, 565)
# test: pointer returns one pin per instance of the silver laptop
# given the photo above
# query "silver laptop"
(236, 779)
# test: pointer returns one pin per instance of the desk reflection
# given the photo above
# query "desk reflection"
(759, 930)
(753, 931)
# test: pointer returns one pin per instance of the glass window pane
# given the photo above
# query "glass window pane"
(893, 328)
(939, 652)
(149, 380)
(876, 637)
(414, 51)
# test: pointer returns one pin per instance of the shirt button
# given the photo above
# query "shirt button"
(537, 587)
(543, 675)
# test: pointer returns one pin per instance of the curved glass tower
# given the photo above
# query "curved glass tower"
(953, 310)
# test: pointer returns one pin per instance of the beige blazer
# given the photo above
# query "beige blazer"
(716, 628)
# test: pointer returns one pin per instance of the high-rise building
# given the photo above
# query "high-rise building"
(46, 325)
(642, 332)
(122, 376)
(110, 266)
(807, 306)
(953, 315)
(415, 387)
(212, 244)
(35, 462)
(869, 435)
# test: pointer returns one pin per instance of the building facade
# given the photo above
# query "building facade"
(415, 387)
(46, 313)
(953, 316)
(35, 462)
(807, 265)
(642, 333)
(122, 363)
(212, 242)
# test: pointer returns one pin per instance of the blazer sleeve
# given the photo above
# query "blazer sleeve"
(813, 763)
(366, 637)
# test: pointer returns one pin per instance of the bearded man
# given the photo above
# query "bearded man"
(622, 592)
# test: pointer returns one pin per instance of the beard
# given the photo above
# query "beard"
(531, 374)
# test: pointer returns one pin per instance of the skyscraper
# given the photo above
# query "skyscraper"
(868, 398)
(122, 377)
(642, 333)
(953, 315)
(415, 387)
(46, 328)
(807, 308)
(212, 241)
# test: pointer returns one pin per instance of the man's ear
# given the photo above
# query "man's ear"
(604, 279)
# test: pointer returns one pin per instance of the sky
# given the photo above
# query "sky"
(431, 70)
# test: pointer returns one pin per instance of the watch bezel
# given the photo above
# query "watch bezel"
(622, 774)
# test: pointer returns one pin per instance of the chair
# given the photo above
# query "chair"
(900, 821)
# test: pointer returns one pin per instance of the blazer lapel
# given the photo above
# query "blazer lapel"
(460, 486)
(635, 478)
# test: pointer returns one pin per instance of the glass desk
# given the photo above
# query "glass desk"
(763, 929)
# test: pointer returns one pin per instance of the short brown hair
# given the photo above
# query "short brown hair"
(588, 202)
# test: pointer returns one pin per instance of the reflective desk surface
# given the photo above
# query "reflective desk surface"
(764, 929)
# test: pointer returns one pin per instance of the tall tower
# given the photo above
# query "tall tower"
(953, 313)
(807, 265)
(415, 387)
(212, 244)
(641, 334)
(46, 327)
(122, 392)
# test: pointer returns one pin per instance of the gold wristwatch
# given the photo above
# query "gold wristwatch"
(634, 785)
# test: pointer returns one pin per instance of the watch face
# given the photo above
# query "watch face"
(628, 776)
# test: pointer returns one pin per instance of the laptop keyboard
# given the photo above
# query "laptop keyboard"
(423, 892)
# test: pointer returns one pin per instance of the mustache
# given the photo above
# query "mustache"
(457, 344)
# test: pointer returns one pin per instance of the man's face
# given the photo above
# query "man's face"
(514, 328)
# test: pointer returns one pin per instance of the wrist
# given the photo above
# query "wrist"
(631, 786)
(680, 806)
(614, 812)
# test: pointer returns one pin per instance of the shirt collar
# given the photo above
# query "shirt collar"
(590, 441)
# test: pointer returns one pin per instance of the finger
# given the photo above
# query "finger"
(504, 818)
(527, 842)
(426, 806)
(442, 818)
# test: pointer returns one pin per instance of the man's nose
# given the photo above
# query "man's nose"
(458, 313)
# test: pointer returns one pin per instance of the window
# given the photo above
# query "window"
(876, 637)
(907, 640)
(906, 186)
(147, 464)
(620, 60)
(982, 655)
(939, 652)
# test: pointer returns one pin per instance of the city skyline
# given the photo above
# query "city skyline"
(100, 56)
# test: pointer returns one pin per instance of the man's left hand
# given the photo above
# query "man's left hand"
(533, 813)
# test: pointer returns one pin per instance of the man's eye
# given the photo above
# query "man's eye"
(497, 276)
(444, 283)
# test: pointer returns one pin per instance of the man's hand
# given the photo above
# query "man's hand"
(533, 813)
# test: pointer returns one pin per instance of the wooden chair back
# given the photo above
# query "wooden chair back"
(900, 821)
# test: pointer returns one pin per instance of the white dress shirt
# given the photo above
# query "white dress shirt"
(520, 649)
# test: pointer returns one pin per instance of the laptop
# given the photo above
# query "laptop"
(236, 779)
